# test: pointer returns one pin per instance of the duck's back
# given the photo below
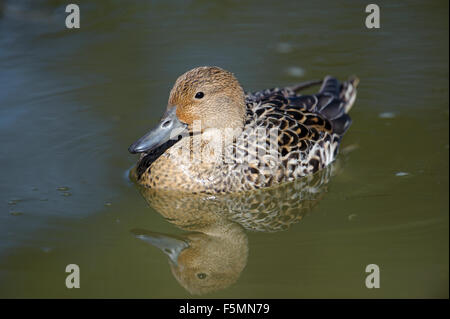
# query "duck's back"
(292, 135)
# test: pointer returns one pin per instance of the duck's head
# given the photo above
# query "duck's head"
(204, 97)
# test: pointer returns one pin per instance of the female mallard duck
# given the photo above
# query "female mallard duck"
(214, 138)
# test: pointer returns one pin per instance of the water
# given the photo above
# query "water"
(71, 102)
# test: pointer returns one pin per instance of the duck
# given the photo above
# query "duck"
(212, 252)
(216, 138)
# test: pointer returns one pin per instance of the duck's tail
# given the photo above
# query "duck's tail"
(338, 98)
(345, 92)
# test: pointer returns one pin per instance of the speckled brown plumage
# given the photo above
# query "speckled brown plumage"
(308, 131)
(266, 210)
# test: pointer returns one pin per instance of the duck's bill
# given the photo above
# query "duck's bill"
(168, 129)
(172, 246)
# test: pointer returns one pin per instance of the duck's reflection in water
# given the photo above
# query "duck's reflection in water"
(213, 253)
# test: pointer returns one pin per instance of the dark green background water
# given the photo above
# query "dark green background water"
(71, 101)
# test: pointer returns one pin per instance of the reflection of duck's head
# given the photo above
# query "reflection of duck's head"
(203, 262)
(211, 263)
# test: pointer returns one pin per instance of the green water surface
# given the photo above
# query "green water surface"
(72, 101)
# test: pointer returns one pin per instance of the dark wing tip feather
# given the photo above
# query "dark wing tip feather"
(341, 124)
(331, 86)
(343, 98)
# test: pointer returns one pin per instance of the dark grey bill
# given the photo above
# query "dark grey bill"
(169, 128)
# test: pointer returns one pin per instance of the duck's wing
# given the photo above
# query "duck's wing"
(308, 128)
(333, 101)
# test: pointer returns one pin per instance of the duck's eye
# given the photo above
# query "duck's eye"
(201, 275)
(199, 95)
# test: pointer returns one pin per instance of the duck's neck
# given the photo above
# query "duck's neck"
(207, 145)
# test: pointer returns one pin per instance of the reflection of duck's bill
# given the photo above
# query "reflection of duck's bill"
(170, 245)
